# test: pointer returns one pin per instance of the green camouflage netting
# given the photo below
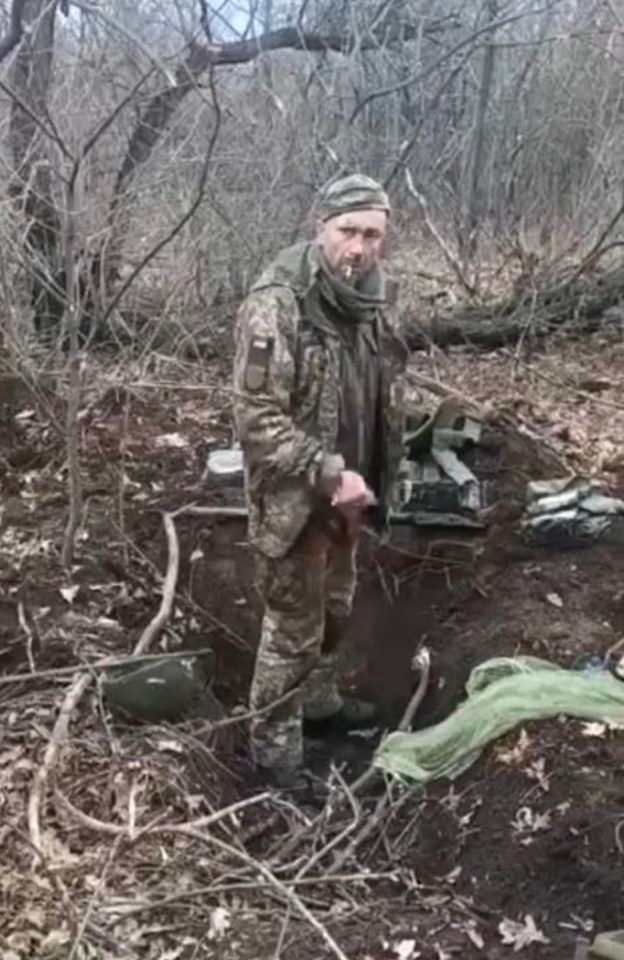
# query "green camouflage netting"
(502, 693)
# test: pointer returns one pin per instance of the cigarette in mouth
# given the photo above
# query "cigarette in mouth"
(348, 271)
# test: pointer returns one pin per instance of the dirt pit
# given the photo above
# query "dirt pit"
(532, 828)
(135, 856)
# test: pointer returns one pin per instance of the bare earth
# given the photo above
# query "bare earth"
(454, 872)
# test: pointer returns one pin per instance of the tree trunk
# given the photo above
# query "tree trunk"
(474, 198)
(105, 267)
(31, 187)
(577, 308)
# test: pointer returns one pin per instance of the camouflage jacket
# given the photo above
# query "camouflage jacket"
(287, 398)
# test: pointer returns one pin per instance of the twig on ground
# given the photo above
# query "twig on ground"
(192, 830)
(287, 892)
(235, 638)
(106, 664)
(116, 830)
(339, 838)
(370, 824)
(618, 836)
(155, 626)
(614, 648)
(246, 886)
(375, 819)
(438, 388)
(23, 622)
(53, 875)
(167, 385)
(191, 510)
(121, 500)
(576, 391)
(81, 683)
(84, 923)
(59, 734)
(423, 660)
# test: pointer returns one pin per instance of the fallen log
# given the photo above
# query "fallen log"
(576, 308)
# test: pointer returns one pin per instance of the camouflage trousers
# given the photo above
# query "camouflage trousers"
(308, 596)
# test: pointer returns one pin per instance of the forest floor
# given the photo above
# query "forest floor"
(125, 842)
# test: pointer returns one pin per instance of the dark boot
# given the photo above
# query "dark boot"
(354, 714)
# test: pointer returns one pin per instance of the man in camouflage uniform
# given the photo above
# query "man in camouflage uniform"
(318, 410)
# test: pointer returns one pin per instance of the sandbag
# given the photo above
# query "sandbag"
(162, 690)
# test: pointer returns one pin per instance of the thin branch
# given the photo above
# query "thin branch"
(451, 259)
(23, 622)
(246, 886)
(191, 510)
(115, 25)
(436, 387)
(407, 147)
(293, 38)
(106, 123)
(204, 20)
(594, 254)
(86, 915)
(175, 230)
(116, 830)
(16, 29)
(189, 830)
(54, 875)
(59, 734)
(72, 322)
(106, 664)
(50, 131)
(423, 661)
(157, 623)
(287, 892)
(74, 694)
(421, 75)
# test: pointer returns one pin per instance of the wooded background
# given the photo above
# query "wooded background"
(157, 153)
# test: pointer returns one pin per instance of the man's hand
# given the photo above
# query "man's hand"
(352, 493)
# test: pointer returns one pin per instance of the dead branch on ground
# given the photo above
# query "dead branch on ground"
(59, 735)
(82, 681)
(422, 660)
(158, 622)
(578, 308)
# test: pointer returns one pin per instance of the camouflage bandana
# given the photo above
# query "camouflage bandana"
(360, 304)
(355, 192)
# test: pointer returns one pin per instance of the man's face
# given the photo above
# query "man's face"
(352, 243)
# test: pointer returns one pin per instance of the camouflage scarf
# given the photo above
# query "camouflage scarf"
(302, 265)
(359, 304)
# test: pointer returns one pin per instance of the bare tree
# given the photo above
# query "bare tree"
(474, 196)
(472, 102)
(31, 134)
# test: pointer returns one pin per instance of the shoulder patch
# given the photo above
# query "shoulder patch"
(258, 359)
